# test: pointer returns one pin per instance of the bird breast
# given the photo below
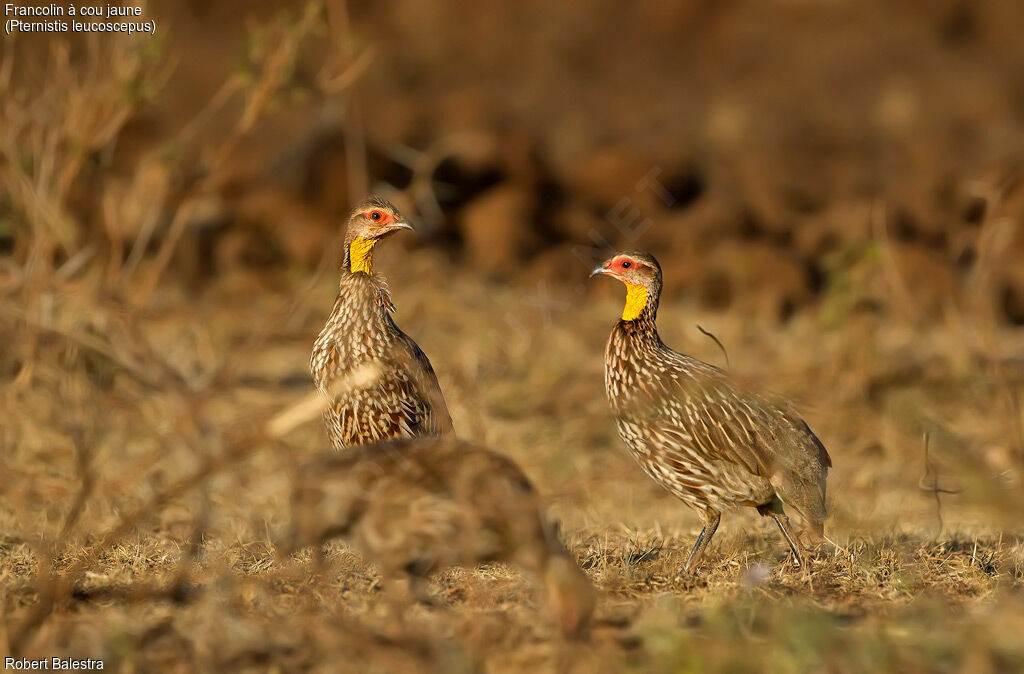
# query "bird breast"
(359, 328)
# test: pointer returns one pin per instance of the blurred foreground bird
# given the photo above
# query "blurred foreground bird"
(396, 394)
(696, 432)
(417, 506)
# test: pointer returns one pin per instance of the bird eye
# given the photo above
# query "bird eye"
(375, 215)
(627, 264)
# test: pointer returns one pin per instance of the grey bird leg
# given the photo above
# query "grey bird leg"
(710, 527)
(783, 523)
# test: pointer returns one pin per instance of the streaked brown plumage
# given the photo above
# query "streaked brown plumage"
(696, 432)
(416, 506)
(390, 388)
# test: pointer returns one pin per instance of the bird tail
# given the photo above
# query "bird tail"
(814, 531)
(570, 594)
(824, 460)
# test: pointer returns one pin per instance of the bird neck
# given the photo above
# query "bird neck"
(360, 255)
(636, 301)
(355, 293)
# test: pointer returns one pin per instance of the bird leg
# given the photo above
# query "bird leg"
(710, 527)
(794, 545)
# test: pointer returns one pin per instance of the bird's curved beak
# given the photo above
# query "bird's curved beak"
(402, 224)
(599, 270)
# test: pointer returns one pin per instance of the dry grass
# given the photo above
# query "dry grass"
(140, 501)
(136, 529)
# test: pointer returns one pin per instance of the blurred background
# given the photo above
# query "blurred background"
(784, 136)
(833, 188)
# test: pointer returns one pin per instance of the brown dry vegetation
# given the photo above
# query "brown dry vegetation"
(168, 223)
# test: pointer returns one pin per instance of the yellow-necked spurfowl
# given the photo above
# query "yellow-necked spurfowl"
(415, 506)
(379, 383)
(696, 432)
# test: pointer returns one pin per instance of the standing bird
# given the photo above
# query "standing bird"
(417, 506)
(696, 432)
(378, 382)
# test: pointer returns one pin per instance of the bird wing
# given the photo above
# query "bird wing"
(426, 400)
(707, 415)
(750, 430)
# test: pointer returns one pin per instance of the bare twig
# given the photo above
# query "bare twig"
(720, 345)
(934, 487)
(86, 478)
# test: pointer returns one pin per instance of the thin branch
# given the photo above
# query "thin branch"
(720, 345)
(934, 487)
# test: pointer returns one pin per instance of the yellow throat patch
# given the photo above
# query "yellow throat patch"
(636, 300)
(360, 255)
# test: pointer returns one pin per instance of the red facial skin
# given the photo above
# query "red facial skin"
(383, 217)
(622, 264)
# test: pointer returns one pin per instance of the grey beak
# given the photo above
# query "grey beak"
(403, 224)
(597, 271)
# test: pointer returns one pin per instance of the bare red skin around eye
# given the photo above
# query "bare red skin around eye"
(385, 218)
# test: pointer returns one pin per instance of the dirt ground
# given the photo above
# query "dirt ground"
(832, 190)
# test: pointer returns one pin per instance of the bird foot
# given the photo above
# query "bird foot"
(801, 564)
(688, 580)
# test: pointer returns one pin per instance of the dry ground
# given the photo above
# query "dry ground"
(167, 211)
(139, 508)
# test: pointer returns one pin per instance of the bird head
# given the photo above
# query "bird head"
(641, 274)
(371, 221)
